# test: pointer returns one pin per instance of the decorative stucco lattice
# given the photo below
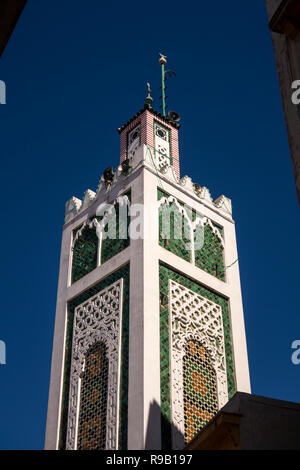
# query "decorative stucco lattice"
(193, 318)
(97, 320)
(84, 296)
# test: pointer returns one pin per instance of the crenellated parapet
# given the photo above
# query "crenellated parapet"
(72, 208)
(144, 157)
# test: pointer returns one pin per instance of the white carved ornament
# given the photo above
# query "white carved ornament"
(193, 317)
(162, 147)
(107, 210)
(97, 319)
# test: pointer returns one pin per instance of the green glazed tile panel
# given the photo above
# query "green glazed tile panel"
(220, 229)
(175, 242)
(210, 256)
(84, 253)
(161, 194)
(166, 273)
(111, 247)
(123, 404)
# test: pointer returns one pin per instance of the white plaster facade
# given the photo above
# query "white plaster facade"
(144, 255)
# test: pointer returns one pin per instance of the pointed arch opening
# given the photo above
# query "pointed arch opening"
(210, 256)
(85, 252)
(174, 228)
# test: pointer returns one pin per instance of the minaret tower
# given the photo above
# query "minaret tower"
(149, 338)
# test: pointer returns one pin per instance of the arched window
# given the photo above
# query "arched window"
(200, 395)
(210, 256)
(85, 252)
(174, 231)
(93, 400)
(111, 246)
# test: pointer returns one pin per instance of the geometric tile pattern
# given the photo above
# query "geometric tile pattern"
(162, 146)
(93, 400)
(200, 393)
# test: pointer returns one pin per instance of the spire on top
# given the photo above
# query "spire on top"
(148, 99)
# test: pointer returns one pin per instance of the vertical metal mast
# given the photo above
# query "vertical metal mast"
(162, 62)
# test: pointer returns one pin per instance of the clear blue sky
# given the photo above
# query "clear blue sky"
(75, 71)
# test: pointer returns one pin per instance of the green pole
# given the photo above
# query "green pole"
(163, 89)
(162, 62)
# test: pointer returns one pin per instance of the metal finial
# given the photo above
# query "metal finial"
(149, 99)
(162, 59)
